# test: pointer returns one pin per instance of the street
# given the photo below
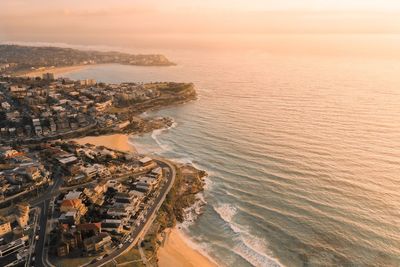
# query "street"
(139, 230)
(43, 203)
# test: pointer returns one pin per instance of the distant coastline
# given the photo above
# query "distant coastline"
(55, 70)
(21, 59)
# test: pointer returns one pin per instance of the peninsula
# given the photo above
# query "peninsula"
(17, 59)
(64, 201)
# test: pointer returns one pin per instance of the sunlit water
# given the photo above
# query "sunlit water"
(303, 154)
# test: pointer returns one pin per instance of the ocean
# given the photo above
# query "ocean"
(302, 151)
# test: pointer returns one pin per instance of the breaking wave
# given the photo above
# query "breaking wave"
(251, 248)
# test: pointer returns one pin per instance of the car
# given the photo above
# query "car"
(27, 228)
(120, 245)
(37, 237)
(99, 258)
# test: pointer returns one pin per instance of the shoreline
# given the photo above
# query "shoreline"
(176, 250)
(114, 141)
(57, 71)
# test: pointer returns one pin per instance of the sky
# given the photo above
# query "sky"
(117, 21)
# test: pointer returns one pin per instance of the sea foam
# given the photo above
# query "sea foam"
(251, 248)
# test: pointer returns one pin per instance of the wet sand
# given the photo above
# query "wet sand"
(177, 253)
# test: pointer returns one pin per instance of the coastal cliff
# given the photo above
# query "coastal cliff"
(182, 197)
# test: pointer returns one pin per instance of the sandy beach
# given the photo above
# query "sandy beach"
(56, 70)
(115, 141)
(177, 253)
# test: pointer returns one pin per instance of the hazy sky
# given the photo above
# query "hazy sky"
(101, 21)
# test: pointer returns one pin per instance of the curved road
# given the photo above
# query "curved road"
(43, 203)
(150, 216)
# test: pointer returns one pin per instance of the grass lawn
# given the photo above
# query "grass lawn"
(68, 262)
(131, 255)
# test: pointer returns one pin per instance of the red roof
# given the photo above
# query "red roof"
(70, 203)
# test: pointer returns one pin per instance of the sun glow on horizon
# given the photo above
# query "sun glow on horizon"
(76, 21)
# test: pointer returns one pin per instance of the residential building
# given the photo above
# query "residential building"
(147, 162)
(62, 249)
(73, 205)
(112, 225)
(48, 76)
(13, 246)
(5, 226)
(70, 218)
(22, 214)
(96, 243)
(89, 228)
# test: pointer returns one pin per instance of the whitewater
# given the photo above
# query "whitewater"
(302, 152)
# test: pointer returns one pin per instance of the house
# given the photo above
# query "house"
(124, 197)
(157, 172)
(112, 225)
(13, 246)
(48, 76)
(146, 183)
(123, 125)
(87, 82)
(5, 226)
(146, 162)
(11, 153)
(90, 172)
(18, 91)
(22, 214)
(93, 196)
(62, 249)
(38, 130)
(6, 105)
(73, 205)
(33, 173)
(70, 239)
(96, 243)
(92, 228)
(117, 186)
(73, 195)
(100, 188)
(13, 116)
(120, 211)
(65, 162)
(102, 106)
(70, 218)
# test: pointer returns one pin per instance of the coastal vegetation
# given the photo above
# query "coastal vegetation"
(17, 59)
(189, 182)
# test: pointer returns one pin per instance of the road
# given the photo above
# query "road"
(32, 244)
(40, 244)
(43, 203)
(140, 230)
